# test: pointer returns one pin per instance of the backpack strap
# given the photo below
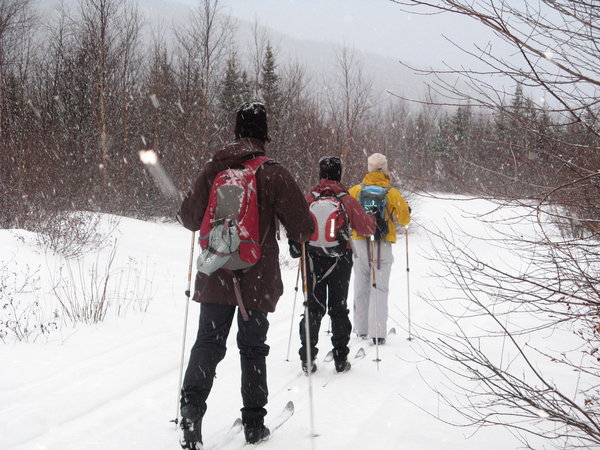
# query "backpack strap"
(255, 163)
(238, 295)
(339, 196)
(363, 186)
(387, 189)
(362, 189)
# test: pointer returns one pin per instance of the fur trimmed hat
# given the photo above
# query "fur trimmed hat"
(377, 162)
(251, 121)
(330, 168)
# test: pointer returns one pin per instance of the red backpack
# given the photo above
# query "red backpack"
(331, 232)
(229, 233)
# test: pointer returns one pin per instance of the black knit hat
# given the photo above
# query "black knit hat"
(330, 168)
(251, 121)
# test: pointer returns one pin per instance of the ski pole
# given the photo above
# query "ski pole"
(307, 342)
(150, 160)
(373, 298)
(373, 269)
(185, 321)
(287, 358)
(408, 285)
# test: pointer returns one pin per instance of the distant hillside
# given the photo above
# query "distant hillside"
(317, 57)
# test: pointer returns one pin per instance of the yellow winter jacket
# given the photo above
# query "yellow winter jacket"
(397, 208)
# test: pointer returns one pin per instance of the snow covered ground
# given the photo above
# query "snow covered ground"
(113, 385)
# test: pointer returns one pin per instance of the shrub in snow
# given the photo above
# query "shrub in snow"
(86, 288)
(72, 233)
(21, 318)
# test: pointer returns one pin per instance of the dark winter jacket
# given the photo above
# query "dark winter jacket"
(362, 223)
(278, 197)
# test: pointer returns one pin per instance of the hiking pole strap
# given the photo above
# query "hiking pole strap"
(239, 299)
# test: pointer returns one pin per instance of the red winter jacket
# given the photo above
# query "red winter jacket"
(361, 222)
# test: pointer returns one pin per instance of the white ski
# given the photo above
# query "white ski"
(275, 424)
(237, 427)
(229, 436)
(283, 417)
(360, 354)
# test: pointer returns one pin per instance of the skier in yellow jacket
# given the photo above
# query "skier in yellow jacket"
(379, 198)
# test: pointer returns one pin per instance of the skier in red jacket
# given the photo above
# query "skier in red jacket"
(329, 268)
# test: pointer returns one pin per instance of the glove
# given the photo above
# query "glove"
(295, 250)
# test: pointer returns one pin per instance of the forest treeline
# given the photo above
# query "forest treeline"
(83, 92)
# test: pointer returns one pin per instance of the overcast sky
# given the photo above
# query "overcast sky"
(377, 26)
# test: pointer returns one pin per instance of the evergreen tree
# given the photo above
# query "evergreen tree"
(461, 124)
(232, 91)
(246, 87)
(518, 100)
(441, 142)
(269, 84)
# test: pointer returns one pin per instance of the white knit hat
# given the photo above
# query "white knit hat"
(377, 162)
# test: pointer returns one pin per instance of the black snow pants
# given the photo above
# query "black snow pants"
(328, 281)
(209, 350)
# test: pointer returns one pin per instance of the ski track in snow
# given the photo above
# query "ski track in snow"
(89, 377)
(85, 365)
(113, 385)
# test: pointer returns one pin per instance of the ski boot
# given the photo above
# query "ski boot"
(305, 368)
(191, 425)
(254, 435)
(342, 366)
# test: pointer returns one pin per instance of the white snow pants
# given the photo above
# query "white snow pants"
(371, 303)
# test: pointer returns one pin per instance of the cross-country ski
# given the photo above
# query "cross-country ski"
(234, 433)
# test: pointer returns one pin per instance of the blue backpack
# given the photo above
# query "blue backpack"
(373, 199)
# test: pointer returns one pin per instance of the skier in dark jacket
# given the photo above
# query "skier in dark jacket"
(329, 276)
(278, 198)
